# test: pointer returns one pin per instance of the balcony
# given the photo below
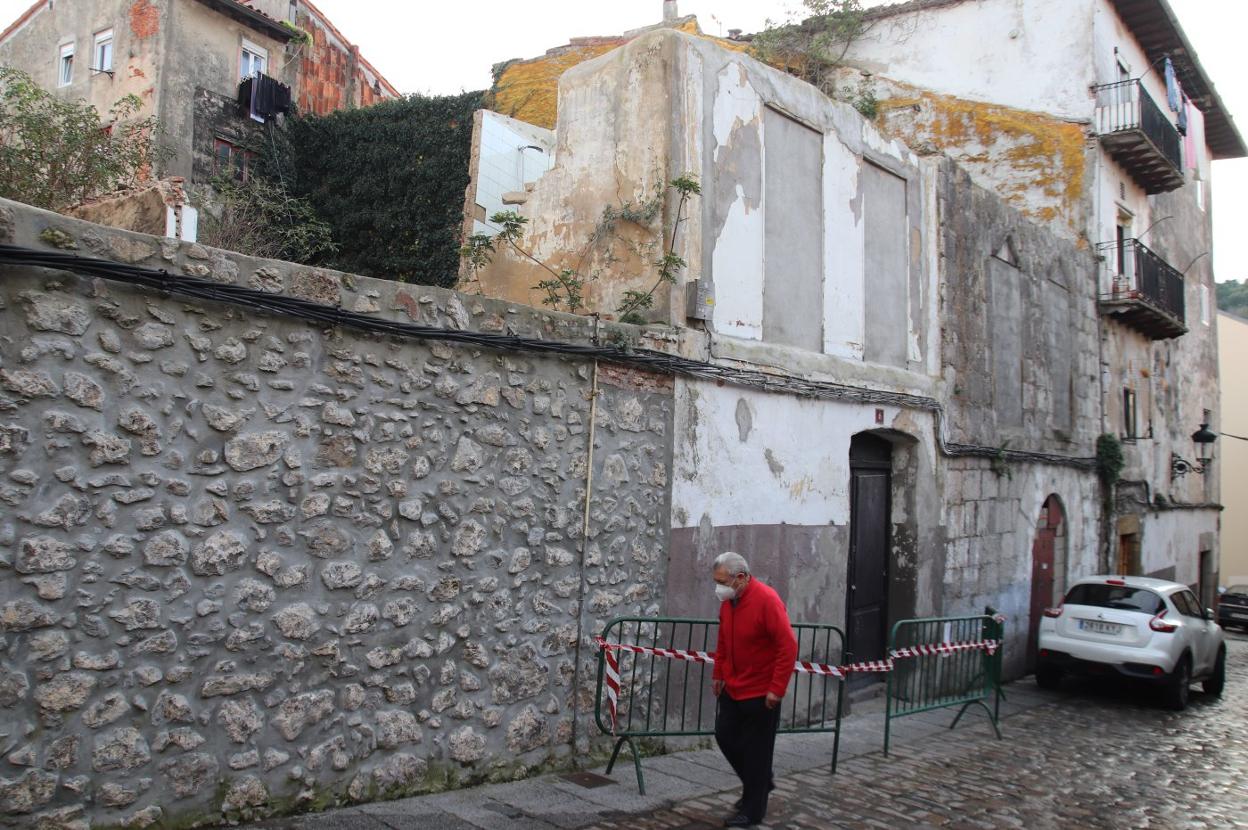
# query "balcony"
(1139, 136)
(1145, 291)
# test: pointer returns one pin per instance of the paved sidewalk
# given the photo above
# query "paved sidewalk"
(553, 801)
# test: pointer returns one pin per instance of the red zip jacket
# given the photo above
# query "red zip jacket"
(756, 649)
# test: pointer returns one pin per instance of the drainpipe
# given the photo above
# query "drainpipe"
(580, 602)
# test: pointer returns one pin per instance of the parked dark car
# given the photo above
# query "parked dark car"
(1233, 607)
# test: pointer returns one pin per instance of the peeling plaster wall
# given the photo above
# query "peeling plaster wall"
(1038, 163)
(668, 103)
(203, 53)
(253, 566)
(740, 94)
(614, 147)
(1232, 463)
(1025, 54)
(768, 476)
(138, 50)
(529, 89)
(1020, 341)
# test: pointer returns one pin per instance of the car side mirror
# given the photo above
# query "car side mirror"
(1209, 615)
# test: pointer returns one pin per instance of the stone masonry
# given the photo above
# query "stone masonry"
(253, 565)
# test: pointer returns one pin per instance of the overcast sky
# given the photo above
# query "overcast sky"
(431, 46)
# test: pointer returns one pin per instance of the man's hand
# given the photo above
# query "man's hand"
(772, 701)
(717, 687)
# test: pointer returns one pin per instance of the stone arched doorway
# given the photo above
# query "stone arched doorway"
(1048, 568)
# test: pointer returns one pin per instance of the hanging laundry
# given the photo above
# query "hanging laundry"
(1189, 139)
(1172, 86)
(1182, 124)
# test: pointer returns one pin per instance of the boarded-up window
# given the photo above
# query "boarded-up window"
(1006, 311)
(793, 243)
(1058, 352)
(887, 298)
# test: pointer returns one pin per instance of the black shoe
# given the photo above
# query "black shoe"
(739, 820)
(739, 804)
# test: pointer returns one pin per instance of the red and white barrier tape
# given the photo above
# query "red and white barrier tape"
(612, 664)
(989, 646)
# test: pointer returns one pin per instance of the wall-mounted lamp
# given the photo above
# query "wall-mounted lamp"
(1203, 438)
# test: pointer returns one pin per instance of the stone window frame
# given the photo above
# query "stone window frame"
(65, 64)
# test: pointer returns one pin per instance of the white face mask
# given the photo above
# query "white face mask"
(724, 592)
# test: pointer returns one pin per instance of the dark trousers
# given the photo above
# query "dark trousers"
(746, 733)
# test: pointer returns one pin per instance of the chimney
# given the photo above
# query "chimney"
(670, 12)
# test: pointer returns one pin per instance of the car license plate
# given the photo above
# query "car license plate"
(1098, 627)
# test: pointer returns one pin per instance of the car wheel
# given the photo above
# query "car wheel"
(1180, 685)
(1048, 677)
(1213, 683)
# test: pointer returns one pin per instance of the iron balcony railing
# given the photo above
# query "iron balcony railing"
(1136, 273)
(1140, 135)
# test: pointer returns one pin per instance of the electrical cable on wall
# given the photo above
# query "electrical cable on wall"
(163, 282)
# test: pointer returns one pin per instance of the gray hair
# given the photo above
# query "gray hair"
(732, 562)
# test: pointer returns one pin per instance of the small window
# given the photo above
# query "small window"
(1129, 423)
(65, 70)
(231, 160)
(254, 60)
(1204, 304)
(102, 54)
(294, 11)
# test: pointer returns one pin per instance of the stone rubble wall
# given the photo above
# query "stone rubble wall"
(252, 565)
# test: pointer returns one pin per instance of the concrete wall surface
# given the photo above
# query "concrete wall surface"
(139, 46)
(253, 565)
(1232, 454)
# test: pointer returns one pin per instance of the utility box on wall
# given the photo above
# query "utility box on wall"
(699, 300)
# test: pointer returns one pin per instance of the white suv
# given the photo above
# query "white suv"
(1137, 627)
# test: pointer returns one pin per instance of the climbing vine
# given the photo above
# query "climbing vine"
(564, 288)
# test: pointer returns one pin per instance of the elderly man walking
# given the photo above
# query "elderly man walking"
(753, 662)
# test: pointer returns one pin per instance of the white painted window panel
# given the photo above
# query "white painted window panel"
(65, 65)
(102, 53)
(843, 252)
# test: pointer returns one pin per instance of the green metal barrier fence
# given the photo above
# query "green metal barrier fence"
(660, 697)
(939, 681)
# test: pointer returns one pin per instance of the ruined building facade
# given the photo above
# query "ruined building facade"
(1017, 322)
(186, 61)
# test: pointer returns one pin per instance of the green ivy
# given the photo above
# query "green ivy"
(1109, 458)
(388, 179)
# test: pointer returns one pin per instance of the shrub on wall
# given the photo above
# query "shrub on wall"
(388, 179)
(56, 154)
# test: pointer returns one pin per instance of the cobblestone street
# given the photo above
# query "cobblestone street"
(1095, 755)
(1098, 757)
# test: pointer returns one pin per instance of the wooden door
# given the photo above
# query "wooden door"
(867, 601)
(1043, 555)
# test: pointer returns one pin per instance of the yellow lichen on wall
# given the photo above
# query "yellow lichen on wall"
(1039, 161)
(529, 90)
